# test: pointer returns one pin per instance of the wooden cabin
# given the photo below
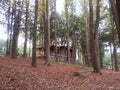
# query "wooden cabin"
(61, 50)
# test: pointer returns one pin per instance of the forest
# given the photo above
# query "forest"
(60, 45)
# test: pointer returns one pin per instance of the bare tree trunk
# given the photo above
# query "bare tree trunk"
(44, 26)
(8, 30)
(26, 29)
(11, 31)
(115, 12)
(91, 35)
(114, 42)
(118, 13)
(16, 30)
(97, 47)
(87, 32)
(115, 56)
(72, 50)
(55, 29)
(47, 34)
(94, 39)
(34, 63)
(68, 38)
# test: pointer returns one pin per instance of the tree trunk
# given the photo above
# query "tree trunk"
(67, 29)
(87, 32)
(97, 47)
(16, 30)
(8, 30)
(11, 31)
(44, 26)
(55, 29)
(73, 49)
(115, 58)
(26, 29)
(94, 39)
(34, 63)
(91, 35)
(47, 35)
(116, 12)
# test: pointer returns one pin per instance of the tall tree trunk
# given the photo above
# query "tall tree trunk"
(8, 31)
(11, 31)
(116, 12)
(47, 34)
(68, 38)
(97, 47)
(115, 58)
(87, 32)
(73, 49)
(16, 30)
(26, 29)
(91, 35)
(115, 55)
(94, 42)
(44, 26)
(55, 29)
(34, 64)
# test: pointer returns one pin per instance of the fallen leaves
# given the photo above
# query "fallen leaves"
(19, 75)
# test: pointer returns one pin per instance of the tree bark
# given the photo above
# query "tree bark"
(115, 58)
(55, 29)
(115, 11)
(47, 35)
(87, 33)
(8, 35)
(26, 29)
(34, 63)
(97, 47)
(94, 39)
(67, 29)
(91, 35)
(17, 21)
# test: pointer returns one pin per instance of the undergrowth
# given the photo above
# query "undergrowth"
(75, 65)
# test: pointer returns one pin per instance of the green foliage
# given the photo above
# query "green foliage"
(20, 49)
(2, 47)
(107, 60)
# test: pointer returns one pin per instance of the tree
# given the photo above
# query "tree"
(114, 56)
(26, 29)
(53, 25)
(94, 43)
(73, 22)
(8, 30)
(47, 35)
(118, 14)
(34, 64)
(87, 32)
(115, 11)
(96, 37)
(16, 28)
(67, 29)
(55, 29)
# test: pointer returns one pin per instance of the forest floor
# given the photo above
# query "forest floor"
(19, 75)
